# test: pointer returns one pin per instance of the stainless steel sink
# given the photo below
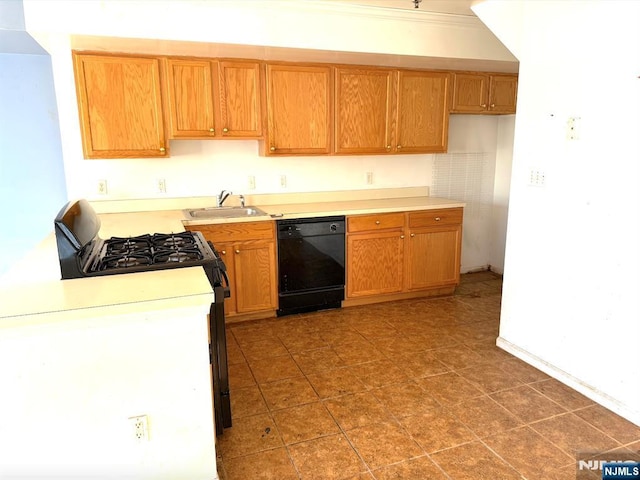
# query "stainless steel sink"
(223, 212)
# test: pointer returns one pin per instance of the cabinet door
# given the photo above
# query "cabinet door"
(423, 112)
(190, 98)
(120, 106)
(374, 263)
(433, 257)
(470, 93)
(255, 276)
(240, 103)
(226, 254)
(503, 90)
(364, 102)
(299, 110)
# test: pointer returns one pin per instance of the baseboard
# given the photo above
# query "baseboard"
(587, 390)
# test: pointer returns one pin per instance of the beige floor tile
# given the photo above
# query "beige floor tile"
(357, 410)
(326, 458)
(264, 348)
(489, 378)
(421, 468)
(522, 371)
(288, 393)
(379, 373)
(529, 453)
(449, 388)
(269, 465)
(357, 352)
(483, 416)
(420, 364)
(333, 383)
(572, 434)
(240, 376)
(474, 461)
(383, 444)
(247, 401)
(457, 357)
(437, 429)
(404, 399)
(560, 393)
(273, 369)
(607, 421)
(318, 360)
(527, 404)
(249, 435)
(305, 422)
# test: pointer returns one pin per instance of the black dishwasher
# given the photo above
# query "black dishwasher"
(310, 264)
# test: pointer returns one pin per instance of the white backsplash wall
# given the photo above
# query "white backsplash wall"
(204, 167)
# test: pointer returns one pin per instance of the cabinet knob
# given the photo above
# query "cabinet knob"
(224, 252)
(413, 235)
(377, 222)
(399, 147)
(437, 219)
(493, 105)
(273, 149)
(237, 251)
(484, 105)
(225, 129)
(388, 147)
(212, 130)
(402, 236)
(162, 149)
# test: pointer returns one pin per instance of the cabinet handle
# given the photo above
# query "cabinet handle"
(402, 236)
(225, 129)
(399, 147)
(493, 105)
(162, 149)
(224, 252)
(273, 149)
(413, 235)
(388, 147)
(377, 222)
(484, 105)
(212, 130)
(237, 251)
(437, 219)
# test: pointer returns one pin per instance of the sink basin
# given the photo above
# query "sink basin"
(224, 212)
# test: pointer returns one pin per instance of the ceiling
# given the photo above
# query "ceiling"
(456, 7)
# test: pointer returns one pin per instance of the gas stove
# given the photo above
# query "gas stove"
(83, 253)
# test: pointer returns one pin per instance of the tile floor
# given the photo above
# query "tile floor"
(409, 390)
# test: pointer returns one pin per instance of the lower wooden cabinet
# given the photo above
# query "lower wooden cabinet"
(400, 255)
(249, 252)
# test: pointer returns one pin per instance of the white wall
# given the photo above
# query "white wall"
(82, 374)
(570, 300)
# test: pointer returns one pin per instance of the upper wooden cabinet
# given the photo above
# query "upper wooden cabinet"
(423, 111)
(299, 110)
(120, 106)
(484, 93)
(214, 99)
(363, 106)
(391, 111)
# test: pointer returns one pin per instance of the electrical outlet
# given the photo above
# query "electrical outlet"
(102, 187)
(369, 178)
(536, 177)
(140, 427)
(162, 185)
(252, 182)
(283, 181)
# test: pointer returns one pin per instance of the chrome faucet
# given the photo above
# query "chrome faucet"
(222, 197)
(241, 197)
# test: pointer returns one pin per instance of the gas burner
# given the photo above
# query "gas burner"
(124, 261)
(129, 245)
(173, 240)
(177, 255)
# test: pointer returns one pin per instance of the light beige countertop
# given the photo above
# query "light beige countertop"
(33, 286)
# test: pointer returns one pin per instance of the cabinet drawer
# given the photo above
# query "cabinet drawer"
(235, 232)
(382, 221)
(442, 216)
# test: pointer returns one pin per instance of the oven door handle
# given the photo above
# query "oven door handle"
(226, 286)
